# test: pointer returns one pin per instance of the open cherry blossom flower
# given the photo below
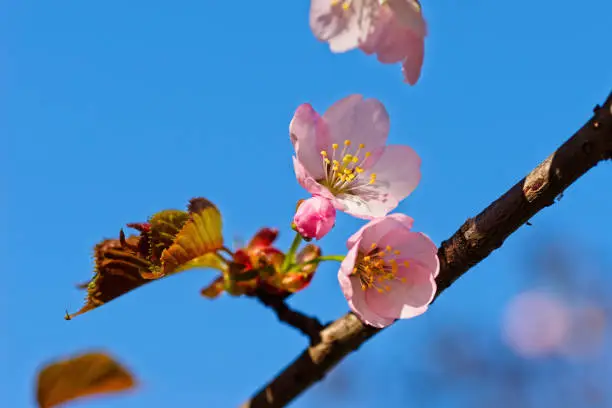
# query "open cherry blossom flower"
(389, 272)
(342, 156)
(395, 30)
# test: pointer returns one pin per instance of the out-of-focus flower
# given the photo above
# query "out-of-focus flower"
(395, 30)
(389, 272)
(342, 156)
(315, 217)
(585, 336)
(536, 324)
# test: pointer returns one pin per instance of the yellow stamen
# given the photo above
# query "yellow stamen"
(342, 175)
(377, 268)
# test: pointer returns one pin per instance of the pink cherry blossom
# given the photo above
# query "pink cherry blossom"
(394, 30)
(342, 156)
(315, 217)
(389, 272)
(536, 323)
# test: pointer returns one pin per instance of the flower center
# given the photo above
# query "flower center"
(343, 169)
(377, 267)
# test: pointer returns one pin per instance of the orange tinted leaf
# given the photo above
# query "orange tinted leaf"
(81, 376)
(215, 288)
(164, 226)
(201, 235)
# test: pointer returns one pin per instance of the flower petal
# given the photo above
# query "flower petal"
(360, 121)
(309, 136)
(379, 227)
(345, 271)
(404, 299)
(359, 305)
(409, 15)
(343, 29)
(398, 172)
(416, 247)
(373, 206)
(393, 42)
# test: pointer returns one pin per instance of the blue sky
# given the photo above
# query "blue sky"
(111, 111)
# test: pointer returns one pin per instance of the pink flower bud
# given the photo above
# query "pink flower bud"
(315, 217)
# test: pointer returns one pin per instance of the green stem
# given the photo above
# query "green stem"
(337, 258)
(290, 257)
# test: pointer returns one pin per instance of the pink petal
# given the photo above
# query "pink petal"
(380, 227)
(413, 63)
(309, 183)
(345, 271)
(408, 15)
(397, 172)
(362, 309)
(415, 247)
(309, 136)
(360, 121)
(369, 204)
(393, 41)
(343, 30)
(404, 300)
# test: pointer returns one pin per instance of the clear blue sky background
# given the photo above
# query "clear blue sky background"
(111, 111)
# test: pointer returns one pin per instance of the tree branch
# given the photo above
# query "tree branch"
(473, 242)
(309, 326)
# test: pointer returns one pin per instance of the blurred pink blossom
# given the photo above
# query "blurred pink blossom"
(315, 217)
(536, 323)
(587, 328)
(389, 272)
(342, 156)
(395, 30)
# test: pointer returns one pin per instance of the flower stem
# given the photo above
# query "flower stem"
(337, 258)
(290, 257)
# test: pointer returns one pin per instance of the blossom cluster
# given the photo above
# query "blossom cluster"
(343, 161)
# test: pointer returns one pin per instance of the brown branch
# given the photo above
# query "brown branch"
(473, 242)
(309, 326)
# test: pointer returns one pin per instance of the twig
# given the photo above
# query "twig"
(309, 326)
(473, 242)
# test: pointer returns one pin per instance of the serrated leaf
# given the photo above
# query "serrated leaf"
(85, 375)
(164, 227)
(118, 270)
(201, 235)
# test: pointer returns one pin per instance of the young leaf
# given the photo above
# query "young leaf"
(118, 269)
(201, 235)
(80, 376)
(214, 289)
(164, 226)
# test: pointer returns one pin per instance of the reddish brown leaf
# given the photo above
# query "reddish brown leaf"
(118, 269)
